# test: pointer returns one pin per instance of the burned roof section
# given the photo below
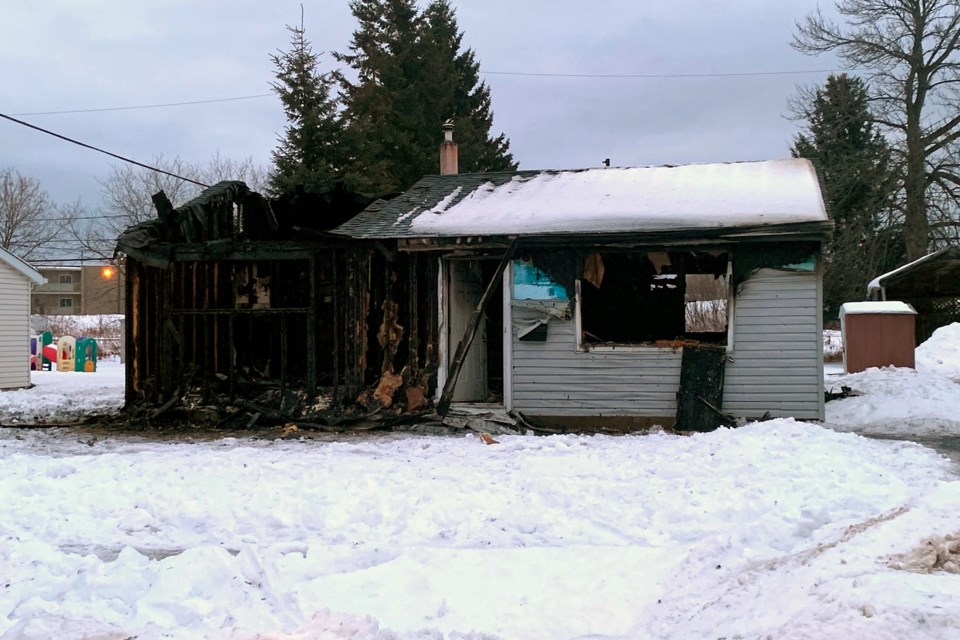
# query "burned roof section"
(228, 215)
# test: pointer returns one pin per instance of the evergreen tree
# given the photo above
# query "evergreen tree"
(468, 103)
(411, 77)
(855, 163)
(310, 153)
(380, 108)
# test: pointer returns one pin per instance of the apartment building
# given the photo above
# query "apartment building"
(79, 290)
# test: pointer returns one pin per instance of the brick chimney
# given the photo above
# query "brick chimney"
(448, 151)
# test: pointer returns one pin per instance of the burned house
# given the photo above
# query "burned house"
(235, 295)
(631, 296)
(603, 298)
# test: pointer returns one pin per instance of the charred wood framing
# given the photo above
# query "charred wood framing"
(701, 388)
(229, 293)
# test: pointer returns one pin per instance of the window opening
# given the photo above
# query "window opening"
(66, 278)
(657, 296)
(66, 302)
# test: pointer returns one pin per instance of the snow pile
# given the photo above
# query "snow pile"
(905, 402)
(941, 352)
(777, 529)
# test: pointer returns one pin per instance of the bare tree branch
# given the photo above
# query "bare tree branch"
(26, 215)
(910, 50)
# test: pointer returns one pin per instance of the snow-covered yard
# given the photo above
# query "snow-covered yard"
(905, 402)
(777, 529)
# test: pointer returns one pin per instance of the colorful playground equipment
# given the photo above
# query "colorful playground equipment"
(69, 354)
(42, 352)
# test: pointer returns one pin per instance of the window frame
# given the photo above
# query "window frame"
(643, 347)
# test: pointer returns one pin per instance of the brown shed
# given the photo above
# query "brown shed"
(877, 334)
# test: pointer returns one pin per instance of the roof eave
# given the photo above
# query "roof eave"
(819, 230)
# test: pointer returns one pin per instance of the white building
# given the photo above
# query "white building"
(16, 279)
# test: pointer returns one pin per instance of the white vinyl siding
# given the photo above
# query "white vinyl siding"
(14, 328)
(777, 364)
(552, 378)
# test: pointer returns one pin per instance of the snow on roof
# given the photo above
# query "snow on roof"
(892, 306)
(638, 199)
(28, 272)
(877, 283)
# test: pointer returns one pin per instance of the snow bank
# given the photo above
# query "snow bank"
(941, 352)
(905, 402)
(778, 528)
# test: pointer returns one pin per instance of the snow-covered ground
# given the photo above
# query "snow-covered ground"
(773, 530)
(905, 402)
(60, 397)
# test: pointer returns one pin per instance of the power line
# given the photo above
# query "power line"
(69, 218)
(43, 261)
(624, 76)
(113, 155)
(142, 106)
(656, 75)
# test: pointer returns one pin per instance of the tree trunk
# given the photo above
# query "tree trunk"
(916, 226)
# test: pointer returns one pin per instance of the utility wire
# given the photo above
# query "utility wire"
(44, 261)
(113, 155)
(69, 218)
(491, 73)
(142, 106)
(656, 75)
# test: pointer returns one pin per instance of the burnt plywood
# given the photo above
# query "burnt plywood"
(701, 388)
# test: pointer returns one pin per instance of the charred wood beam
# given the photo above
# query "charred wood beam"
(168, 373)
(234, 251)
(132, 315)
(232, 362)
(335, 300)
(812, 231)
(389, 255)
(152, 258)
(471, 331)
(312, 319)
(412, 311)
(361, 346)
(165, 209)
(241, 312)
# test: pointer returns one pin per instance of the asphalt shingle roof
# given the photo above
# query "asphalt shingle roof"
(392, 218)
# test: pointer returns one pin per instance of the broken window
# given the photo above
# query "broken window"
(646, 297)
(530, 282)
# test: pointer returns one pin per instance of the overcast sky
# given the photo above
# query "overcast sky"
(62, 55)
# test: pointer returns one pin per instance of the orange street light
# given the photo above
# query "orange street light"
(108, 272)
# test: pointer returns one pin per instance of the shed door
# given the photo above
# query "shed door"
(466, 289)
